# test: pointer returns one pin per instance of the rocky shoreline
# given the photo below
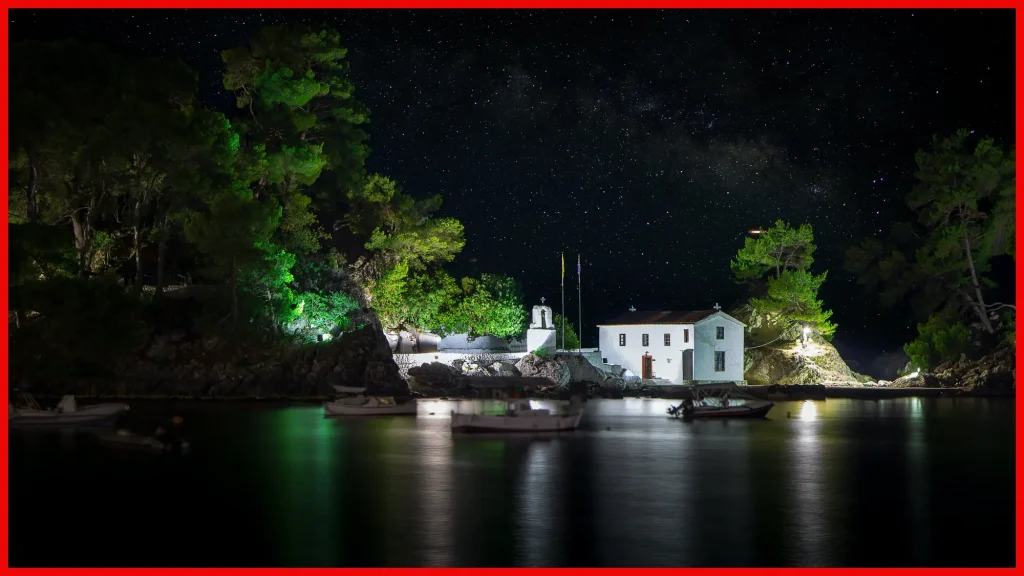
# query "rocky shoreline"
(177, 367)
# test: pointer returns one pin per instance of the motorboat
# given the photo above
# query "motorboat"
(519, 414)
(360, 405)
(727, 403)
(130, 440)
(66, 413)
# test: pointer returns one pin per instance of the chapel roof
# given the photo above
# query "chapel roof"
(659, 317)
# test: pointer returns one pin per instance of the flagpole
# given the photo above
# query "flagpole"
(579, 300)
(563, 301)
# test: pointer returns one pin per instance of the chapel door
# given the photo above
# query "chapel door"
(647, 370)
(688, 364)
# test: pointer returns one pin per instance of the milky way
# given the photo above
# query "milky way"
(647, 141)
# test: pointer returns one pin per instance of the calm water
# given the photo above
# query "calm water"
(841, 483)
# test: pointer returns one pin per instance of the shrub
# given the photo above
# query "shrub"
(941, 339)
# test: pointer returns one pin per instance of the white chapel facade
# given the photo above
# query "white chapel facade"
(681, 347)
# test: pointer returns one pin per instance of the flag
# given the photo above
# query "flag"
(563, 268)
(579, 270)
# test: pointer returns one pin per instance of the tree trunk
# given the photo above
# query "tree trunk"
(138, 248)
(234, 292)
(980, 308)
(32, 207)
(80, 227)
(160, 255)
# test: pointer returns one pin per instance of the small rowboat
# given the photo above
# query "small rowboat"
(751, 410)
(132, 441)
(729, 403)
(370, 406)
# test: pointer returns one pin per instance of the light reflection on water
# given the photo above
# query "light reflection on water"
(837, 482)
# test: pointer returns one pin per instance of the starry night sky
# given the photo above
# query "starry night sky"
(650, 141)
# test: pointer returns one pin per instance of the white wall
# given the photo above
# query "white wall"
(706, 345)
(668, 360)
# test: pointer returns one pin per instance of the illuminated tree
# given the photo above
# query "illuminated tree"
(776, 265)
(302, 119)
(777, 249)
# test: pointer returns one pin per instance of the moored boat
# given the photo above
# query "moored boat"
(131, 440)
(727, 403)
(66, 413)
(358, 404)
(519, 415)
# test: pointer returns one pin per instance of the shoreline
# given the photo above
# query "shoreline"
(761, 392)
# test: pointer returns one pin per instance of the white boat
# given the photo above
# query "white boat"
(519, 414)
(370, 406)
(66, 413)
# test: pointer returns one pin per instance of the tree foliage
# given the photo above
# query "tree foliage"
(117, 170)
(942, 339)
(776, 264)
(401, 227)
(571, 340)
(792, 297)
(436, 302)
(777, 249)
(963, 202)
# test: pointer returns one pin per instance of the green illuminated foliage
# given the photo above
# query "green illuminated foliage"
(792, 298)
(776, 264)
(326, 313)
(572, 341)
(403, 228)
(776, 249)
(942, 339)
(301, 121)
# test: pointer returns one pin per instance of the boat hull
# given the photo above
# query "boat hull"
(732, 412)
(138, 443)
(99, 415)
(336, 409)
(521, 423)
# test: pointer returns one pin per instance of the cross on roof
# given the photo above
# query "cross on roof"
(541, 299)
(717, 307)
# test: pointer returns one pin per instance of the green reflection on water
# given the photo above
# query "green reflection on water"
(308, 452)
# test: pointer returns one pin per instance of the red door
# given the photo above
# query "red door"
(647, 372)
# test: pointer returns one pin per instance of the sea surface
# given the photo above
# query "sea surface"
(901, 482)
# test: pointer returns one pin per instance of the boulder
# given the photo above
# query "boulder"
(504, 368)
(434, 379)
(555, 370)
(363, 358)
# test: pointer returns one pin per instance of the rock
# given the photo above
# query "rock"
(791, 363)
(504, 368)
(433, 379)
(909, 381)
(533, 366)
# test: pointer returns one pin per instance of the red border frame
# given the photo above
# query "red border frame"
(451, 4)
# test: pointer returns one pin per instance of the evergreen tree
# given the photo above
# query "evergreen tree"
(964, 201)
